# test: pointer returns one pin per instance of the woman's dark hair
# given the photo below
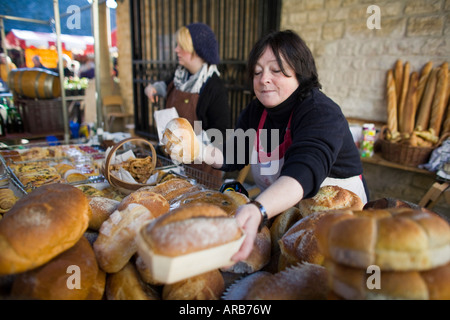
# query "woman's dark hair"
(295, 52)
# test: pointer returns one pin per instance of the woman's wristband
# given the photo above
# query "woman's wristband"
(262, 210)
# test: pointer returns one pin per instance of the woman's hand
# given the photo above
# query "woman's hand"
(151, 93)
(248, 218)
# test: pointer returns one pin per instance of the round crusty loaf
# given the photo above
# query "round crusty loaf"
(189, 229)
(116, 243)
(41, 225)
(352, 283)
(206, 286)
(395, 239)
(127, 285)
(60, 278)
(330, 198)
(180, 141)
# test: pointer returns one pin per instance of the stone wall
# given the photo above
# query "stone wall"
(352, 60)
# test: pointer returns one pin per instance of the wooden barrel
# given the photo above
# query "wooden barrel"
(35, 83)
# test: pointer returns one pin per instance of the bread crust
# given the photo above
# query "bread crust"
(40, 226)
(180, 141)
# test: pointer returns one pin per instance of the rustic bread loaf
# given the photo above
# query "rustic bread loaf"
(40, 226)
(330, 198)
(101, 209)
(127, 285)
(180, 141)
(173, 188)
(69, 276)
(207, 286)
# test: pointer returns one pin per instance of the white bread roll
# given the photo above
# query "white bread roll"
(41, 225)
(395, 239)
(330, 198)
(180, 141)
(51, 281)
(351, 283)
(190, 228)
(207, 286)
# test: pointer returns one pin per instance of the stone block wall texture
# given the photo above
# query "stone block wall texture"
(353, 60)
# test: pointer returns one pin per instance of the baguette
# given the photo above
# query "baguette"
(398, 76)
(438, 105)
(392, 122)
(409, 111)
(424, 111)
(424, 74)
(403, 93)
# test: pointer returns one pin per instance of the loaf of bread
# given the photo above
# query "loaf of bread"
(409, 110)
(299, 243)
(206, 286)
(438, 105)
(153, 201)
(403, 92)
(116, 243)
(304, 281)
(173, 188)
(240, 289)
(398, 75)
(259, 256)
(180, 141)
(424, 110)
(391, 97)
(145, 272)
(351, 283)
(330, 198)
(68, 276)
(127, 285)
(190, 228)
(214, 197)
(424, 74)
(40, 226)
(395, 239)
(98, 288)
(101, 209)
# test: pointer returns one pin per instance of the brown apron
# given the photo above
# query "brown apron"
(186, 105)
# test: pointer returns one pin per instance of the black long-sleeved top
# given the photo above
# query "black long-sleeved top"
(322, 144)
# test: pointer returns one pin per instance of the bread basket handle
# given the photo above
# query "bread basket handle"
(120, 144)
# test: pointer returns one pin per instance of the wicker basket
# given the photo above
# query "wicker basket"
(404, 153)
(114, 181)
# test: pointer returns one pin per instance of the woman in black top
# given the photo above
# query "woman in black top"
(295, 137)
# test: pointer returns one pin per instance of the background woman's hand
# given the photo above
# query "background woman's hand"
(248, 218)
(151, 93)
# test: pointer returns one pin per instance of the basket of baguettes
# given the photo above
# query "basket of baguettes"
(418, 116)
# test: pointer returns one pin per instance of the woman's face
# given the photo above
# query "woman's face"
(184, 57)
(271, 86)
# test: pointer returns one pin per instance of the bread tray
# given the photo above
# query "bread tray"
(169, 270)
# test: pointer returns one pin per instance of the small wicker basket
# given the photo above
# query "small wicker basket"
(404, 153)
(124, 186)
